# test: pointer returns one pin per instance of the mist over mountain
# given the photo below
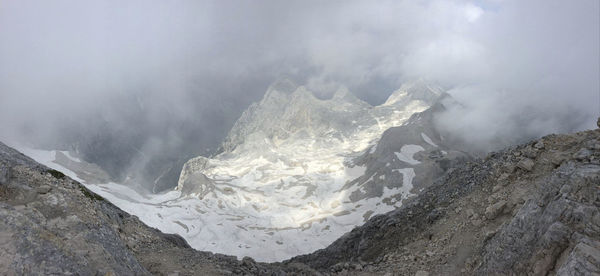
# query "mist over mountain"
(142, 86)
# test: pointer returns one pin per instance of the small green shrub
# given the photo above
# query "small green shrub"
(90, 195)
(56, 174)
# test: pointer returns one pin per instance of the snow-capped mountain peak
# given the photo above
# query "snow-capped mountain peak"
(289, 168)
(418, 90)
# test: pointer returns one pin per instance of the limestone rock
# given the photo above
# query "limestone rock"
(534, 239)
(4, 173)
(526, 164)
(422, 273)
(582, 154)
(503, 177)
(557, 158)
(584, 259)
(539, 145)
(43, 189)
(495, 209)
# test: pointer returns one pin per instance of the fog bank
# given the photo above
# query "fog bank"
(141, 86)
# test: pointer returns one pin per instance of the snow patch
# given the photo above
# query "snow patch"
(407, 152)
(373, 149)
(427, 139)
(47, 158)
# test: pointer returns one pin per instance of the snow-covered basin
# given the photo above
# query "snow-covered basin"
(271, 225)
(236, 230)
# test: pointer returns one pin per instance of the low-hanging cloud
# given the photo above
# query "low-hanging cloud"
(141, 84)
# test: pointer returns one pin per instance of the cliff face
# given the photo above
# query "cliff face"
(528, 210)
(290, 112)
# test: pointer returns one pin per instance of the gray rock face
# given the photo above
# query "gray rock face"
(4, 174)
(288, 108)
(583, 259)
(526, 164)
(552, 224)
(40, 212)
(582, 154)
(494, 210)
(197, 183)
(434, 158)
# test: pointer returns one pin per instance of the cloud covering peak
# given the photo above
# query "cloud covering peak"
(164, 74)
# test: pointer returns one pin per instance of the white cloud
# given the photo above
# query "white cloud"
(188, 60)
(472, 12)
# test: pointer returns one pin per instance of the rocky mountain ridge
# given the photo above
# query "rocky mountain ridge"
(288, 108)
(531, 209)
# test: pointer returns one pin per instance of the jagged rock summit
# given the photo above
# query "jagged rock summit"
(290, 111)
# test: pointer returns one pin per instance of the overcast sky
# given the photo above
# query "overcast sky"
(518, 66)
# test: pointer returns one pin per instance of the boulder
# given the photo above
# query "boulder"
(539, 145)
(557, 157)
(526, 164)
(584, 259)
(495, 209)
(582, 154)
(4, 174)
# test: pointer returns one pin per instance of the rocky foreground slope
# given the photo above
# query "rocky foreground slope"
(528, 210)
(52, 225)
(531, 209)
